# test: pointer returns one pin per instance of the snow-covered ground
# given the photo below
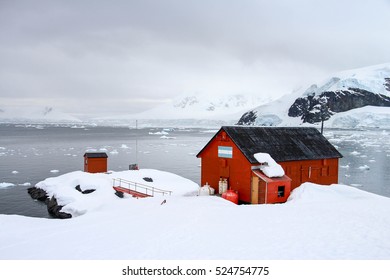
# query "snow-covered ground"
(317, 222)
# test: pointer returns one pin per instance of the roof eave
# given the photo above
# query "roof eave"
(212, 138)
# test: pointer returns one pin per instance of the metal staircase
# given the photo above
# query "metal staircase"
(137, 189)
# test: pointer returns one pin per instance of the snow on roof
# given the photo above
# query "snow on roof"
(269, 167)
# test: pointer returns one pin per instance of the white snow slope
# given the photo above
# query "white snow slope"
(193, 110)
(317, 222)
(369, 78)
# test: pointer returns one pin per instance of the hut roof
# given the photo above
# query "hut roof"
(282, 143)
(95, 155)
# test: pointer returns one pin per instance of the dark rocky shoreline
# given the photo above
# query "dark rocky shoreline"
(51, 202)
(52, 205)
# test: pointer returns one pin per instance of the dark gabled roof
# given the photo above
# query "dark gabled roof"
(95, 155)
(282, 143)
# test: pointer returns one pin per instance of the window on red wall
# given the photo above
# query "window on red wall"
(281, 190)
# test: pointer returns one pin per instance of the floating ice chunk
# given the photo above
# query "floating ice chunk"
(356, 185)
(6, 185)
(54, 171)
(27, 184)
(344, 166)
(114, 152)
(124, 146)
(364, 167)
(167, 137)
(15, 172)
(355, 153)
(159, 133)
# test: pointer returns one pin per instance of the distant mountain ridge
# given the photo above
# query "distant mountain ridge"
(193, 110)
(349, 99)
(343, 92)
(12, 114)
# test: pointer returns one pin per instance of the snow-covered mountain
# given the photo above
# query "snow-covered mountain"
(193, 110)
(350, 99)
(340, 100)
(13, 114)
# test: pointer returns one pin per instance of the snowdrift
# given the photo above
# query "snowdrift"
(317, 222)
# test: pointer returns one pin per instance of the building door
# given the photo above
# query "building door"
(262, 192)
(224, 170)
(255, 190)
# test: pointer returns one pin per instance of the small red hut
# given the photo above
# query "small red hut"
(269, 190)
(95, 162)
(303, 152)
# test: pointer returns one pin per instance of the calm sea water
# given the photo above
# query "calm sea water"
(31, 153)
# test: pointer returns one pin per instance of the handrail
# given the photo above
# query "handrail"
(148, 190)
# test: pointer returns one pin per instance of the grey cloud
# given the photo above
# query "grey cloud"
(159, 49)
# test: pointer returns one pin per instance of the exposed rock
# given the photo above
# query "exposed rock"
(119, 194)
(52, 206)
(248, 118)
(55, 210)
(148, 179)
(309, 107)
(387, 84)
(78, 188)
(251, 118)
(37, 193)
(88, 191)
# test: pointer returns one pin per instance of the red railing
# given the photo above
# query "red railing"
(140, 188)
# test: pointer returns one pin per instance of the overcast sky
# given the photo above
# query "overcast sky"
(115, 57)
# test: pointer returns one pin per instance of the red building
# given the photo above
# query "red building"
(95, 162)
(304, 154)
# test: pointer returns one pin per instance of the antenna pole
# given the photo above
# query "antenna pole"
(136, 142)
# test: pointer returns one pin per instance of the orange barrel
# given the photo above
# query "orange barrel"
(231, 196)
